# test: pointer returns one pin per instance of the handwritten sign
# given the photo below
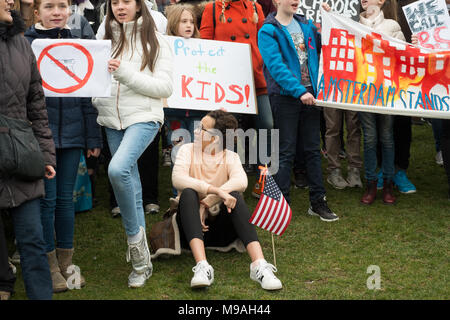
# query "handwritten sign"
(429, 19)
(363, 70)
(311, 9)
(73, 67)
(210, 75)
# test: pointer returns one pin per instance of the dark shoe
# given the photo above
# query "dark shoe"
(320, 208)
(388, 192)
(371, 193)
(300, 180)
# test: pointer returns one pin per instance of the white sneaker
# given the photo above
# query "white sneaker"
(203, 275)
(263, 273)
(137, 280)
(139, 255)
(439, 159)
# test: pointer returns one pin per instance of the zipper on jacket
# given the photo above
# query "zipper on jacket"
(60, 123)
(117, 105)
(11, 195)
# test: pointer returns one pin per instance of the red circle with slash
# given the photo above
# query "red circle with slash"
(80, 82)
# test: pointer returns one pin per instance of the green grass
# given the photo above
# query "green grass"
(315, 259)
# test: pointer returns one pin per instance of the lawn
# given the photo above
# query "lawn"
(315, 259)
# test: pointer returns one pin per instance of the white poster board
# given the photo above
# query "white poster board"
(429, 20)
(210, 75)
(74, 67)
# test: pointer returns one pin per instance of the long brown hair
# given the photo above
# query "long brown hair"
(389, 9)
(174, 13)
(148, 35)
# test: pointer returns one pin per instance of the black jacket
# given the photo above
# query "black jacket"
(22, 97)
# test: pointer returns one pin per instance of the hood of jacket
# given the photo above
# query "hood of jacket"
(7, 30)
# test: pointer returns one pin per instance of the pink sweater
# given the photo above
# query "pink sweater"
(197, 170)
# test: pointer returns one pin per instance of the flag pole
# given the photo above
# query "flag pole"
(273, 249)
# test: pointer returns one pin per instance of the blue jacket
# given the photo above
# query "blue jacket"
(72, 120)
(281, 62)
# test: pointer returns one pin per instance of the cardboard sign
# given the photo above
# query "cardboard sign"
(73, 67)
(311, 9)
(429, 20)
(210, 75)
(363, 70)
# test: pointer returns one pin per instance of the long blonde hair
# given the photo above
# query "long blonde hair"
(174, 13)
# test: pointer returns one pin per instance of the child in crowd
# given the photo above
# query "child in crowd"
(291, 74)
(378, 125)
(206, 174)
(240, 21)
(181, 22)
(74, 128)
(141, 66)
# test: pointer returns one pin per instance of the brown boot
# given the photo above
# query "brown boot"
(388, 192)
(59, 283)
(371, 193)
(65, 261)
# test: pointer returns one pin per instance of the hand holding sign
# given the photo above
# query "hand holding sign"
(73, 67)
(113, 65)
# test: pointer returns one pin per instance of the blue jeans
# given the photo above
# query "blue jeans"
(293, 119)
(31, 245)
(371, 122)
(57, 207)
(126, 147)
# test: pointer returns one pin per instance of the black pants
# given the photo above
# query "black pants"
(402, 141)
(7, 277)
(148, 165)
(445, 146)
(223, 228)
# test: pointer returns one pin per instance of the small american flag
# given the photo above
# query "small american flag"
(272, 212)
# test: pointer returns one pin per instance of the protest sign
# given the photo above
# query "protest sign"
(429, 20)
(210, 75)
(311, 9)
(364, 70)
(74, 67)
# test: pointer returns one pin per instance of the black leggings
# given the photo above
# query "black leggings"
(223, 228)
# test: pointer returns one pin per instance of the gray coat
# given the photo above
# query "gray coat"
(22, 97)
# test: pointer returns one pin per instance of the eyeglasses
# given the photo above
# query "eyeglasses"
(200, 129)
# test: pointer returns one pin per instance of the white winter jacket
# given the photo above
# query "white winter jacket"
(387, 26)
(135, 94)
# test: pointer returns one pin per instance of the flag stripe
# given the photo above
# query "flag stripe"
(280, 217)
(275, 221)
(283, 220)
(263, 215)
(258, 209)
(287, 222)
(271, 214)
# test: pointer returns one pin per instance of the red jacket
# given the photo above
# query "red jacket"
(239, 27)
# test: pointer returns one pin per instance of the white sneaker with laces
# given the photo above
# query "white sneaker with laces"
(139, 255)
(263, 273)
(203, 275)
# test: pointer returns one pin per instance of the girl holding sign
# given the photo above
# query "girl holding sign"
(141, 66)
(74, 128)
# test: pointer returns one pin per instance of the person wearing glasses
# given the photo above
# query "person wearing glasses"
(205, 174)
